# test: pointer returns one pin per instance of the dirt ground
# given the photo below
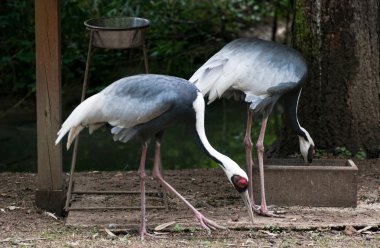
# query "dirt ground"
(22, 224)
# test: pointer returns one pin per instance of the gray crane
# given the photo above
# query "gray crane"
(258, 72)
(143, 106)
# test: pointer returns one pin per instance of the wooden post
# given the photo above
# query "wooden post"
(50, 193)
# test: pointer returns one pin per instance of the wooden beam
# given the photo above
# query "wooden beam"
(50, 183)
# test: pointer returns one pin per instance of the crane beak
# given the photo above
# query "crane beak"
(248, 205)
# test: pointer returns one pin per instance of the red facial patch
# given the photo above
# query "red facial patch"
(240, 183)
(243, 182)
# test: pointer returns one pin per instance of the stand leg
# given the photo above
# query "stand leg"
(145, 59)
(75, 150)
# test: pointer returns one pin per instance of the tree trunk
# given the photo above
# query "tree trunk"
(340, 103)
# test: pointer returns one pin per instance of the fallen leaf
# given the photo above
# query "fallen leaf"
(269, 233)
(249, 241)
(13, 208)
(73, 244)
(119, 176)
(364, 229)
(2, 210)
(21, 244)
(111, 234)
(280, 212)
(51, 215)
(163, 226)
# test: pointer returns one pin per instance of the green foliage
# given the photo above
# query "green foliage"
(94, 231)
(361, 155)
(178, 228)
(275, 229)
(125, 239)
(342, 151)
(320, 153)
(17, 62)
(183, 34)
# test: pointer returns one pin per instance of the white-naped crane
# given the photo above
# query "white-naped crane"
(142, 107)
(258, 72)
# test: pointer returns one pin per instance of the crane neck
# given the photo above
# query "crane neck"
(291, 100)
(201, 138)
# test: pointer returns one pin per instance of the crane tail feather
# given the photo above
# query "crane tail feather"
(74, 131)
(93, 127)
(60, 134)
(85, 114)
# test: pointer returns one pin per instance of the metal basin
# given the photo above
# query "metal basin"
(118, 32)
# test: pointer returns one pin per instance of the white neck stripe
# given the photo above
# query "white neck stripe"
(229, 166)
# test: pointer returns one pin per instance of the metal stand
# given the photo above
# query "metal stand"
(108, 38)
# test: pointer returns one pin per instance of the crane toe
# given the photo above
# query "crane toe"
(145, 234)
(265, 212)
(209, 224)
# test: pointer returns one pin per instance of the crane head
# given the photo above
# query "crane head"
(241, 185)
(238, 179)
(307, 147)
(240, 182)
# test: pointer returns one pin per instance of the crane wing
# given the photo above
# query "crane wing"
(121, 105)
(261, 70)
(206, 78)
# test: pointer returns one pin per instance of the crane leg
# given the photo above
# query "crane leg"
(206, 223)
(260, 153)
(248, 156)
(142, 174)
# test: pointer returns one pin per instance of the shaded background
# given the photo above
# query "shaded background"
(182, 36)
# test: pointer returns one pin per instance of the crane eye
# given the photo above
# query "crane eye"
(240, 183)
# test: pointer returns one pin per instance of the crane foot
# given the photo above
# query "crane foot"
(144, 234)
(265, 212)
(208, 224)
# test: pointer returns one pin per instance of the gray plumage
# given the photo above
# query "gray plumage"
(130, 103)
(256, 70)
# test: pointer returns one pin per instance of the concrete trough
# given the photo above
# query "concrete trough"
(325, 183)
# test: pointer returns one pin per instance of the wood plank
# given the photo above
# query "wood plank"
(296, 218)
(210, 192)
(114, 208)
(114, 192)
(48, 91)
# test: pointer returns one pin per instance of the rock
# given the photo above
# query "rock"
(235, 217)
(349, 230)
